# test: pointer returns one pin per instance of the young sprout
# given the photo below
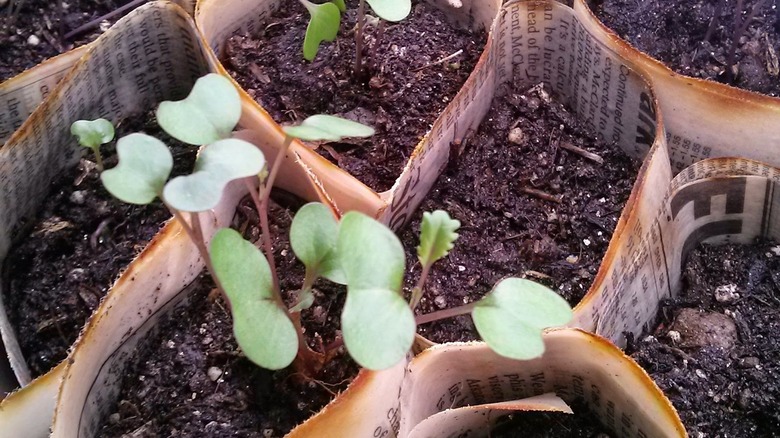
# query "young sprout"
(92, 134)
(326, 19)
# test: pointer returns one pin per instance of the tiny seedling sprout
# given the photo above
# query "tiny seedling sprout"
(92, 134)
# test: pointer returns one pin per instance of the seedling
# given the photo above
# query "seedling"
(326, 20)
(92, 134)
(740, 25)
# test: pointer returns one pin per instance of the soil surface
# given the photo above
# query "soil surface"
(400, 94)
(219, 392)
(75, 248)
(700, 38)
(528, 207)
(36, 32)
(715, 352)
(581, 424)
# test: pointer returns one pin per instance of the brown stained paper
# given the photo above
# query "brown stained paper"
(704, 119)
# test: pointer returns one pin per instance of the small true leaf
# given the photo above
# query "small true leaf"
(92, 133)
(323, 26)
(208, 114)
(391, 10)
(377, 323)
(512, 316)
(325, 127)
(340, 3)
(262, 328)
(144, 166)
(217, 165)
(437, 236)
(313, 237)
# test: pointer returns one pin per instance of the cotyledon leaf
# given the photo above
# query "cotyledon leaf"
(326, 127)
(323, 26)
(391, 10)
(144, 165)
(313, 236)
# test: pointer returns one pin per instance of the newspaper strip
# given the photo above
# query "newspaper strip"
(704, 119)
(151, 56)
(218, 20)
(28, 412)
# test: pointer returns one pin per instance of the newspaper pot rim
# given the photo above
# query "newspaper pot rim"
(348, 192)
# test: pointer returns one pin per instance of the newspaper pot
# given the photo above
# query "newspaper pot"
(704, 119)
(219, 20)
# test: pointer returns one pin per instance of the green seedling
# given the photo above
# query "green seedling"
(325, 20)
(92, 134)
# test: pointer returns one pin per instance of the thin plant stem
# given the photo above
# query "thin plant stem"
(714, 21)
(446, 313)
(361, 19)
(417, 292)
(740, 26)
(94, 23)
(200, 242)
(98, 159)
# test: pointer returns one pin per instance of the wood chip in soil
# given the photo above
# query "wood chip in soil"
(715, 352)
(191, 379)
(401, 95)
(676, 32)
(528, 207)
(65, 260)
(33, 34)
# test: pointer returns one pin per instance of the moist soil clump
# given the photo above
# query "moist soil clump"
(715, 352)
(32, 35)
(74, 249)
(581, 424)
(191, 378)
(700, 47)
(528, 207)
(400, 94)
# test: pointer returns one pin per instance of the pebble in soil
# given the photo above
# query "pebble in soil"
(648, 24)
(192, 380)
(82, 238)
(715, 352)
(400, 95)
(528, 207)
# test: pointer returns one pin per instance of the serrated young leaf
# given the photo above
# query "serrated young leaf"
(323, 26)
(217, 165)
(510, 319)
(313, 235)
(262, 328)
(144, 165)
(92, 133)
(377, 323)
(330, 128)
(391, 10)
(208, 114)
(437, 236)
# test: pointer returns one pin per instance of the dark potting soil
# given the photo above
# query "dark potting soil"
(527, 207)
(70, 254)
(32, 35)
(676, 32)
(398, 95)
(192, 380)
(715, 352)
(581, 424)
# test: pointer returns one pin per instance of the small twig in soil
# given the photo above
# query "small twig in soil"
(93, 238)
(541, 195)
(96, 22)
(537, 274)
(442, 60)
(740, 26)
(581, 152)
(714, 21)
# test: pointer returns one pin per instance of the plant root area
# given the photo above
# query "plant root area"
(400, 92)
(32, 35)
(191, 379)
(66, 259)
(715, 352)
(528, 205)
(695, 37)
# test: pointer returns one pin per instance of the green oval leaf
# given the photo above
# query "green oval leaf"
(92, 133)
(342, 6)
(391, 10)
(437, 236)
(208, 114)
(512, 316)
(262, 328)
(216, 166)
(313, 236)
(144, 165)
(325, 127)
(370, 254)
(323, 26)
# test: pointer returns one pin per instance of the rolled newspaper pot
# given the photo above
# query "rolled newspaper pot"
(218, 20)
